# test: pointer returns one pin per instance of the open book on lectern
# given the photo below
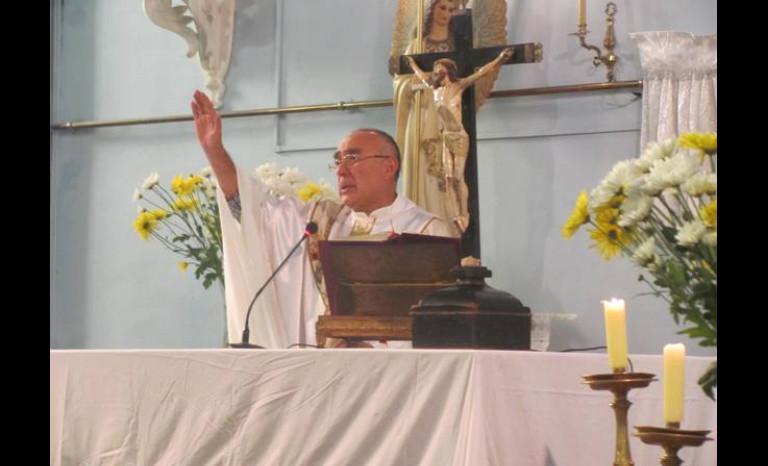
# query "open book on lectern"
(384, 276)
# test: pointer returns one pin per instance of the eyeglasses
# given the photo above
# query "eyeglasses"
(351, 160)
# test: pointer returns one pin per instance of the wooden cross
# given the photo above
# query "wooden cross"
(467, 59)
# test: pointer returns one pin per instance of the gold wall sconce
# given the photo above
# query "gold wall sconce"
(609, 59)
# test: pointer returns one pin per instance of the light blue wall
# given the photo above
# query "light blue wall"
(112, 290)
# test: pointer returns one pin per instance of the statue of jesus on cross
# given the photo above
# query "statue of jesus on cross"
(430, 139)
(447, 91)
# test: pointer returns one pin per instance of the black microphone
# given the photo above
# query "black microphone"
(309, 230)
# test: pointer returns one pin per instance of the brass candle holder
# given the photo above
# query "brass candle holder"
(620, 383)
(671, 439)
(609, 59)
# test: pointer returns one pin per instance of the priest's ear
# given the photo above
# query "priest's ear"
(392, 168)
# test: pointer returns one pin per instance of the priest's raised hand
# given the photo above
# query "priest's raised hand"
(208, 128)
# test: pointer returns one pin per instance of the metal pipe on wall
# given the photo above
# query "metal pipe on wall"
(589, 87)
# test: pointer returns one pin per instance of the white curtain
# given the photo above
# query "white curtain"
(679, 83)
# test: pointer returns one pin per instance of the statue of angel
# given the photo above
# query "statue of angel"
(210, 39)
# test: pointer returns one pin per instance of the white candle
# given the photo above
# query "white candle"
(616, 333)
(582, 12)
(674, 382)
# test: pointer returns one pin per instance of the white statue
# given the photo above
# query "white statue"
(211, 39)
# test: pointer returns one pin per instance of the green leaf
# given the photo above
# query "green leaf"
(677, 272)
(180, 238)
(708, 381)
(669, 234)
(209, 279)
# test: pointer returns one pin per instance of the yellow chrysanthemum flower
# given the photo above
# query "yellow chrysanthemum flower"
(195, 180)
(144, 224)
(177, 184)
(159, 213)
(708, 214)
(608, 237)
(617, 200)
(309, 191)
(579, 216)
(607, 216)
(183, 266)
(184, 204)
(705, 142)
(185, 187)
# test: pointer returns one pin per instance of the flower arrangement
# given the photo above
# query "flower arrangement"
(660, 210)
(291, 182)
(186, 219)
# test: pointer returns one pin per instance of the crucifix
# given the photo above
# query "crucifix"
(466, 59)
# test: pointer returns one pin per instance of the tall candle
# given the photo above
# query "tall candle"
(616, 333)
(582, 12)
(674, 380)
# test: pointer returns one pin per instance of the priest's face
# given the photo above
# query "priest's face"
(367, 171)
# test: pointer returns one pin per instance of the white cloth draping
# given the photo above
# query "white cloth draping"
(352, 407)
(254, 246)
(679, 84)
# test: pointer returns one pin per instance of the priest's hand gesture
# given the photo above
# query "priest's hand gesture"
(208, 128)
(207, 123)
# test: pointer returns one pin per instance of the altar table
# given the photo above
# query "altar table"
(352, 407)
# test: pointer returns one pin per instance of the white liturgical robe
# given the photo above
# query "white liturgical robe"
(287, 311)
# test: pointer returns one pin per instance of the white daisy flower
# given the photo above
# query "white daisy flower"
(600, 196)
(645, 253)
(329, 191)
(635, 209)
(293, 176)
(137, 194)
(670, 173)
(690, 233)
(654, 266)
(701, 183)
(206, 172)
(150, 181)
(621, 176)
(266, 172)
(656, 151)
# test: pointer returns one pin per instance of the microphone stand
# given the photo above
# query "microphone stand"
(309, 230)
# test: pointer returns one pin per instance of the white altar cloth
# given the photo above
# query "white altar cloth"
(351, 407)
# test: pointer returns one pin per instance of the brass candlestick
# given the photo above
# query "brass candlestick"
(671, 439)
(620, 383)
(609, 59)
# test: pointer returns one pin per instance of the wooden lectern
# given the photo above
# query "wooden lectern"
(371, 285)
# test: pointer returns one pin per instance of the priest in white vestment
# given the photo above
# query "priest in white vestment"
(259, 230)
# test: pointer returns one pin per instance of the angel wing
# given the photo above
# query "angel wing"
(489, 29)
(211, 39)
(173, 19)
